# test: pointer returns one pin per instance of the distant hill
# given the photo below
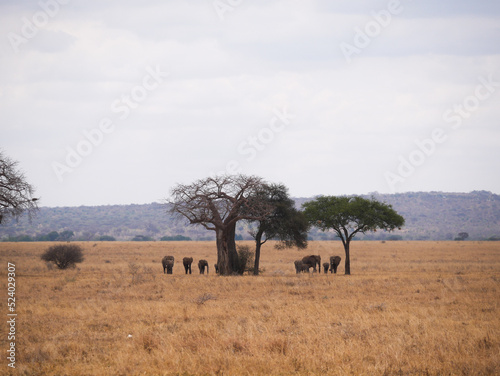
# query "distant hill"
(429, 216)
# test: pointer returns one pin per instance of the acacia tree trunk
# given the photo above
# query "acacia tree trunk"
(227, 257)
(258, 244)
(347, 259)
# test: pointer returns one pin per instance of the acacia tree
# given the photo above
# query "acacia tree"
(285, 223)
(348, 216)
(16, 194)
(217, 204)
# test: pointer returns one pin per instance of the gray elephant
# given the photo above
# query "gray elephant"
(300, 267)
(168, 264)
(202, 264)
(298, 264)
(187, 261)
(312, 261)
(334, 263)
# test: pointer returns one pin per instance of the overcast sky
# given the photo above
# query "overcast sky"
(115, 102)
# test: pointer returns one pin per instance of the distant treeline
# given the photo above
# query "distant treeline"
(428, 216)
(67, 235)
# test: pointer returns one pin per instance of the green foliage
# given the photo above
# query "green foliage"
(19, 238)
(286, 224)
(462, 236)
(106, 238)
(175, 238)
(66, 235)
(64, 256)
(395, 237)
(52, 236)
(142, 238)
(348, 216)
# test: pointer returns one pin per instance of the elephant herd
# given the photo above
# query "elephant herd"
(307, 262)
(301, 266)
(168, 264)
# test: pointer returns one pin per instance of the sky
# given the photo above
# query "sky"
(116, 102)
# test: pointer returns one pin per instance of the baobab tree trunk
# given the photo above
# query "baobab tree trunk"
(227, 257)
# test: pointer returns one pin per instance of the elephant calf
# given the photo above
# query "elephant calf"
(326, 266)
(202, 264)
(187, 261)
(168, 264)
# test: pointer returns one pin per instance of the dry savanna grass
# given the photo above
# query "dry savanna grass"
(409, 308)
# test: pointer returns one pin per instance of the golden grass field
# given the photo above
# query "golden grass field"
(409, 308)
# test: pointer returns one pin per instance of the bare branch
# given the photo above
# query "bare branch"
(16, 194)
(220, 201)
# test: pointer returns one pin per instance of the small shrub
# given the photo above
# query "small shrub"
(139, 275)
(63, 256)
(134, 270)
(246, 258)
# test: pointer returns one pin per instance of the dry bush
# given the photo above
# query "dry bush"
(204, 298)
(63, 255)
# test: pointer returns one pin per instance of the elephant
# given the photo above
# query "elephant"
(326, 266)
(216, 269)
(298, 264)
(202, 264)
(304, 268)
(168, 264)
(187, 261)
(334, 263)
(300, 267)
(312, 261)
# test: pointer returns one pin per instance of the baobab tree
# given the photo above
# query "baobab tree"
(218, 203)
(16, 194)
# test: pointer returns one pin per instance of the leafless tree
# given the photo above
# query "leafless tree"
(16, 194)
(218, 203)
